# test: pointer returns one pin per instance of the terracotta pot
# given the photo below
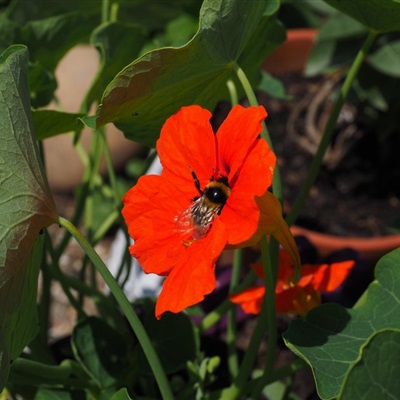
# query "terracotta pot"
(292, 56)
(371, 248)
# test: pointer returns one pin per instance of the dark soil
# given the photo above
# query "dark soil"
(357, 192)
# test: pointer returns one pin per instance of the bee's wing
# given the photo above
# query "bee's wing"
(185, 223)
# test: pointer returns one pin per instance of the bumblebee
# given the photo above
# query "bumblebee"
(197, 219)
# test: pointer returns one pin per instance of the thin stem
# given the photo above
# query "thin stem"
(214, 316)
(277, 181)
(67, 374)
(233, 361)
(239, 384)
(110, 168)
(126, 307)
(232, 92)
(329, 129)
(105, 11)
(54, 269)
(270, 283)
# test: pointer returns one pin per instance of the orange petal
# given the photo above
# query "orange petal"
(327, 278)
(187, 143)
(272, 223)
(250, 299)
(193, 275)
(149, 213)
(241, 215)
(241, 212)
(236, 136)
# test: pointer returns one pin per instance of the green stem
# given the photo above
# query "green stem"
(248, 89)
(110, 169)
(232, 92)
(270, 283)
(233, 361)
(126, 307)
(238, 386)
(36, 373)
(54, 269)
(214, 316)
(329, 129)
(105, 11)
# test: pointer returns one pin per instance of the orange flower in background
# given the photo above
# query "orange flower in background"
(296, 298)
(204, 200)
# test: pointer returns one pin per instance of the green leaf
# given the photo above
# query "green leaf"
(26, 205)
(9, 32)
(149, 90)
(341, 26)
(19, 322)
(42, 85)
(380, 15)
(101, 350)
(49, 39)
(376, 374)
(122, 394)
(23, 11)
(59, 394)
(273, 86)
(49, 123)
(118, 44)
(331, 338)
(387, 59)
(173, 337)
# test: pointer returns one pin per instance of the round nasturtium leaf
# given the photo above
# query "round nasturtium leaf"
(26, 207)
(331, 338)
(145, 93)
(379, 15)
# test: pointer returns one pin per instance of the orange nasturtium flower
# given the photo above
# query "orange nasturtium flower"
(296, 298)
(212, 194)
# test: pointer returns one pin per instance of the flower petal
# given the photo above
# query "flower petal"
(250, 299)
(150, 209)
(272, 222)
(297, 300)
(236, 137)
(187, 143)
(193, 275)
(241, 211)
(327, 278)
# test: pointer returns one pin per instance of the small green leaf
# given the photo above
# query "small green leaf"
(122, 394)
(376, 374)
(380, 15)
(148, 91)
(26, 205)
(90, 122)
(273, 86)
(42, 84)
(49, 123)
(387, 59)
(101, 350)
(174, 338)
(59, 394)
(331, 338)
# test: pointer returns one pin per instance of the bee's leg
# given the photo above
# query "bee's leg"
(196, 182)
